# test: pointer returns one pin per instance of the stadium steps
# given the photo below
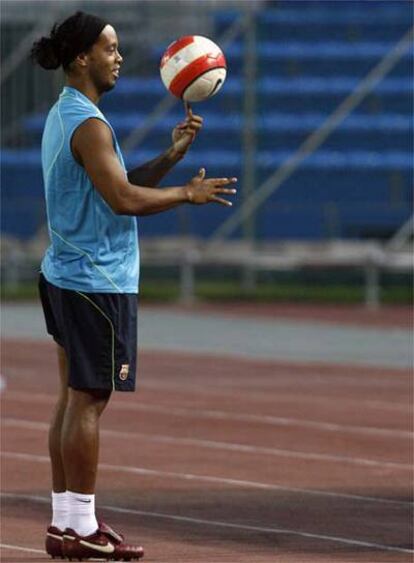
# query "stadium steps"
(276, 131)
(326, 180)
(290, 94)
(269, 51)
(30, 158)
(326, 176)
(283, 58)
(332, 23)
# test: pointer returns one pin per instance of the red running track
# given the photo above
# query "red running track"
(221, 460)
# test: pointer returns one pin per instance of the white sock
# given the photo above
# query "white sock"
(82, 513)
(60, 508)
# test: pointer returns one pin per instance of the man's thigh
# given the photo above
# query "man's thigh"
(98, 332)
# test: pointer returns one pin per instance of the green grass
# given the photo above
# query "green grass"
(22, 292)
(167, 291)
(270, 292)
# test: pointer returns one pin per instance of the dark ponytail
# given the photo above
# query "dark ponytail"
(45, 51)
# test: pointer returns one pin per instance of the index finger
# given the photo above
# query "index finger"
(188, 110)
(221, 181)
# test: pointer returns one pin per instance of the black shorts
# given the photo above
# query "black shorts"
(98, 332)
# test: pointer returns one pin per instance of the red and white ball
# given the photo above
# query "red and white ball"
(193, 68)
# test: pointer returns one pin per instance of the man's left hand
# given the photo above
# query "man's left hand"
(184, 133)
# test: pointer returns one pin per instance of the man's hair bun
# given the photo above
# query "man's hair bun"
(45, 52)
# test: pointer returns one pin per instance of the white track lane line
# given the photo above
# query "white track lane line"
(223, 415)
(262, 395)
(260, 529)
(227, 446)
(129, 469)
(20, 548)
(264, 419)
(226, 386)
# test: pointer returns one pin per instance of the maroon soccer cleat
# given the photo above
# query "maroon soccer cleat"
(104, 544)
(54, 542)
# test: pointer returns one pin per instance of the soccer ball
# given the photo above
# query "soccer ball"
(193, 68)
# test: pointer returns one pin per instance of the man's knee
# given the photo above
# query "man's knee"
(89, 399)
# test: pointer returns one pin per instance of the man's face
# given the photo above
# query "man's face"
(104, 60)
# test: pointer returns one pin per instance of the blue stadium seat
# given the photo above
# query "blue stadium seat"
(310, 23)
(291, 94)
(322, 57)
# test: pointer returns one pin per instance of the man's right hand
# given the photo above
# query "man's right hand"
(205, 190)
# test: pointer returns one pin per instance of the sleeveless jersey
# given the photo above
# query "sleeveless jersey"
(92, 248)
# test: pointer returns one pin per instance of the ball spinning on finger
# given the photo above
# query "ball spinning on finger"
(193, 68)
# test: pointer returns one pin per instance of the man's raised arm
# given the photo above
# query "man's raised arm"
(151, 173)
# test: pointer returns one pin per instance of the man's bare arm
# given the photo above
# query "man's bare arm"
(151, 173)
(92, 147)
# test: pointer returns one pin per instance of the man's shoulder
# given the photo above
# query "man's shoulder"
(76, 106)
(75, 113)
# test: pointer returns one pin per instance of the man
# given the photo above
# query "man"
(89, 276)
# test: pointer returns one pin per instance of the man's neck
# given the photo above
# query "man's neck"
(86, 89)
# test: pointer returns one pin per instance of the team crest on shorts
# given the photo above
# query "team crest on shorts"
(123, 373)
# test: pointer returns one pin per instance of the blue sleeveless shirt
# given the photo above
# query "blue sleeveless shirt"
(92, 248)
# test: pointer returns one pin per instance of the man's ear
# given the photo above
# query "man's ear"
(82, 59)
